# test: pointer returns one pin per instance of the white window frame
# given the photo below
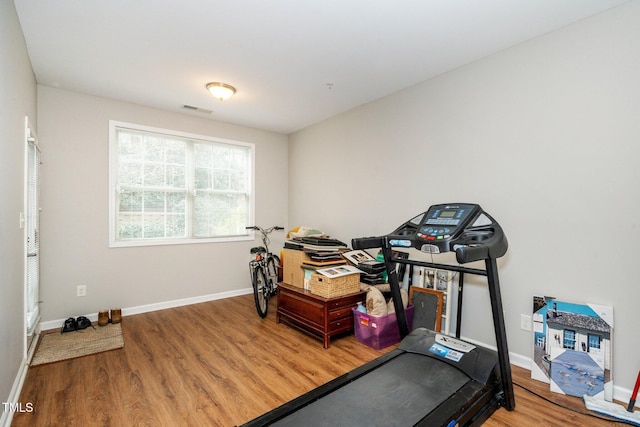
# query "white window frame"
(114, 242)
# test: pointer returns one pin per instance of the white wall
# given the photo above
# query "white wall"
(544, 136)
(17, 100)
(73, 133)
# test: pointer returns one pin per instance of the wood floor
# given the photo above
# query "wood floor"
(219, 364)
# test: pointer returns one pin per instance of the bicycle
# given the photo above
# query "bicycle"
(264, 270)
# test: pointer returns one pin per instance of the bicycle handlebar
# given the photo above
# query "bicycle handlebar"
(268, 230)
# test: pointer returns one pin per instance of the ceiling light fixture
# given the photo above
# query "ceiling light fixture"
(221, 91)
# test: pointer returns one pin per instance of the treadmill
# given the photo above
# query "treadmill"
(430, 379)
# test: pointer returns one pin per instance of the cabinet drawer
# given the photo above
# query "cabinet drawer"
(346, 302)
(344, 324)
(340, 313)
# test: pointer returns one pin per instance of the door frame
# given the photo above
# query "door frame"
(31, 334)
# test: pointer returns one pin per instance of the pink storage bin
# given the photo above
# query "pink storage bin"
(379, 331)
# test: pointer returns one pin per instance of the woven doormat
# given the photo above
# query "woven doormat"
(55, 346)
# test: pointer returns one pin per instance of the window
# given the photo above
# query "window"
(569, 339)
(170, 187)
(594, 342)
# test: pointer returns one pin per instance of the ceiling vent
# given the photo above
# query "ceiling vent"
(197, 109)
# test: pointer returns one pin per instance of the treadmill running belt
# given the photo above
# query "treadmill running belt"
(398, 393)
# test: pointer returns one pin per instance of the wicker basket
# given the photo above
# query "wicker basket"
(329, 287)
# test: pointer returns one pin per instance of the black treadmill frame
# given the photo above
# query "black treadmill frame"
(491, 273)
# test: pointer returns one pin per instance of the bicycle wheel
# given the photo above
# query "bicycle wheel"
(260, 291)
(273, 262)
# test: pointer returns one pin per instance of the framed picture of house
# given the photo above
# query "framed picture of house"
(572, 347)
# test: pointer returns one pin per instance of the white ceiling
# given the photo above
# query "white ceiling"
(293, 62)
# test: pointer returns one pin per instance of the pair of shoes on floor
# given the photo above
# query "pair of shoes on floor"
(105, 317)
(78, 324)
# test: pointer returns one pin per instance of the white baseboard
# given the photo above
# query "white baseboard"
(520, 360)
(56, 324)
(14, 395)
(514, 358)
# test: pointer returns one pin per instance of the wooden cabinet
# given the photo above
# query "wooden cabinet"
(323, 317)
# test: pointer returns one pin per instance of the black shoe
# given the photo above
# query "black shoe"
(82, 323)
(69, 325)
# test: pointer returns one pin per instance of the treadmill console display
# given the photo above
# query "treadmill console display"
(442, 221)
(463, 228)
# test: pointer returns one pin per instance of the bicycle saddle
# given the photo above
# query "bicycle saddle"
(258, 250)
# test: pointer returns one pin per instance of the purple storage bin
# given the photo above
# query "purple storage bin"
(379, 331)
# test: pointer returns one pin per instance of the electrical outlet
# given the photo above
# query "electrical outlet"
(81, 291)
(525, 322)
